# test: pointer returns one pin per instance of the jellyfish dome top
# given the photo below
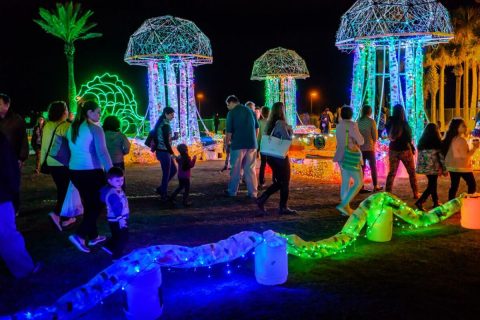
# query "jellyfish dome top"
(388, 38)
(171, 47)
(279, 68)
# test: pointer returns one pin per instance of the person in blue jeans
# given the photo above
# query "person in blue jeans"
(242, 131)
(163, 150)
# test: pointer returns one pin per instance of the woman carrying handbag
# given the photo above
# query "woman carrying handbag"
(275, 143)
(56, 126)
(349, 158)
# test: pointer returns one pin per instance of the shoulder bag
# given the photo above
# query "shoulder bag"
(273, 146)
(351, 159)
(44, 167)
(60, 149)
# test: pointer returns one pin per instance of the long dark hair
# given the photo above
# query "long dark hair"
(397, 122)
(82, 116)
(430, 138)
(185, 158)
(166, 110)
(276, 114)
(451, 133)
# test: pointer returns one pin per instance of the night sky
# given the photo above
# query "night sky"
(33, 69)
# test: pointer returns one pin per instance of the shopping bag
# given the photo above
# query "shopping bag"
(72, 206)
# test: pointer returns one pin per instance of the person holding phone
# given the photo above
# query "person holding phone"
(164, 151)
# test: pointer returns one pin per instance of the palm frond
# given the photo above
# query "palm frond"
(67, 22)
(90, 36)
(49, 24)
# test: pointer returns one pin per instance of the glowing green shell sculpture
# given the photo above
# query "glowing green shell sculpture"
(115, 98)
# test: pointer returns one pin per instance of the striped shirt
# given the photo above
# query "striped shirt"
(368, 129)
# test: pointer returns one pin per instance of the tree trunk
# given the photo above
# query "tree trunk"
(72, 89)
(458, 87)
(433, 107)
(441, 105)
(466, 82)
(473, 103)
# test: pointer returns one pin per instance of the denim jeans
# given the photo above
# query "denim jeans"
(243, 159)
(347, 192)
(372, 163)
(169, 170)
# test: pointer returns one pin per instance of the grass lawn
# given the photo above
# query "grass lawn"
(421, 274)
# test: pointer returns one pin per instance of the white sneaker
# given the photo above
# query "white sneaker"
(56, 220)
(77, 242)
(97, 240)
(68, 222)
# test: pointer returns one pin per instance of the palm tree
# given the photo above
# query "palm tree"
(473, 101)
(70, 25)
(466, 21)
(442, 57)
(431, 83)
(475, 72)
(458, 72)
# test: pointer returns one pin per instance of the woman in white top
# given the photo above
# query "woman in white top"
(56, 125)
(355, 140)
(458, 157)
(88, 163)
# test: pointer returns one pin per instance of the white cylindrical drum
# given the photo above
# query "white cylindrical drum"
(271, 260)
(380, 227)
(144, 297)
(471, 212)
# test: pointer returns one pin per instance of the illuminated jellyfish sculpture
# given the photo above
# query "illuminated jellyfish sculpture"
(388, 39)
(115, 98)
(279, 68)
(171, 47)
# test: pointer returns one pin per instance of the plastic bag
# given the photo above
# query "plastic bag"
(72, 206)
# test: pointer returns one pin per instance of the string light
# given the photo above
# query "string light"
(170, 47)
(115, 98)
(124, 270)
(279, 68)
(372, 207)
(378, 26)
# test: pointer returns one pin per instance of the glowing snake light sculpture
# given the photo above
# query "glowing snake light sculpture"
(372, 207)
(119, 274)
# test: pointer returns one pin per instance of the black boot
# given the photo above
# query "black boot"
(436, 203)
(287, 210)
(419, 205)
(186, 202)
(261, 202)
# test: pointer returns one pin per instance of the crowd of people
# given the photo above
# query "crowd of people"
(82, 155)
(436, 157)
